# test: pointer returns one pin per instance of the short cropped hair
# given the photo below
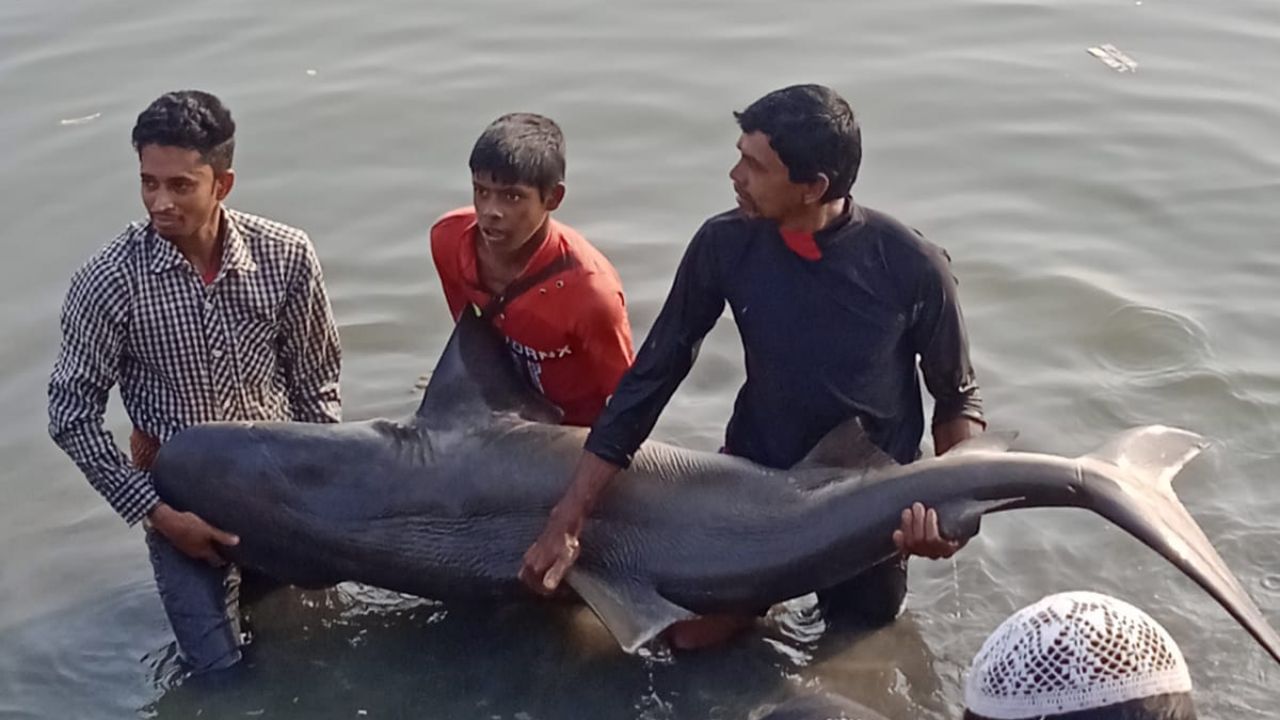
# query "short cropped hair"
(813, 130)
(521, 149)
(189, 119)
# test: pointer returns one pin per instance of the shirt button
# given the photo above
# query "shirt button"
(217, 354)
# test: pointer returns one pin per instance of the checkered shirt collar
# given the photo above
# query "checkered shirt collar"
(235, 252)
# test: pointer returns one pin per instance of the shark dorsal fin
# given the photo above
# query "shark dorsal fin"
(476, 377)
(846, 446)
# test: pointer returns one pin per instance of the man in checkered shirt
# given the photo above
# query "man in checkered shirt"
(200, 314)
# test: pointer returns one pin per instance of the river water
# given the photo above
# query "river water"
(1115, 236)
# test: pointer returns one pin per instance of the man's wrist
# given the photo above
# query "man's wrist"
(156, 515)
(568, 515)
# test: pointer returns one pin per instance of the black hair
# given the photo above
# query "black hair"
(521, 149)
(192, 120)
(1170, 706)
(813, 130)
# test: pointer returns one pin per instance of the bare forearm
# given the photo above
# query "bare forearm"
(590, 477)
(947, 435)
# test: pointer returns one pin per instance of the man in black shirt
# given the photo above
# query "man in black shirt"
(834, 303)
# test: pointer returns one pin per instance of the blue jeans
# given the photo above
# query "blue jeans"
(203, 605)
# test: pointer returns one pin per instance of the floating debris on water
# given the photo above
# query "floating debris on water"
(80, 120)
(1113, 58)
(311, 72)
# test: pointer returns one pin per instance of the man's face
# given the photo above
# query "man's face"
(762, 182)
(509, 215)
(180, 190)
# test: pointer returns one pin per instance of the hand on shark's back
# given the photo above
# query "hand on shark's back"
(427, 505)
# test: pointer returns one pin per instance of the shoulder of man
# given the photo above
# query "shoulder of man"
(255, 228)
(905, 245)
(451, 225)
(449, 229)
(109, 268)
(731, 228)
(590, 259)
(447, 233)
(732, 221)
(274, 244)
(592, 281)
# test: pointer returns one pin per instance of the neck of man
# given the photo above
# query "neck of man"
(500, 265)
(812, 218)
(203, 248)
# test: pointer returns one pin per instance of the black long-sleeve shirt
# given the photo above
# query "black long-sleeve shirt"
(825, 339)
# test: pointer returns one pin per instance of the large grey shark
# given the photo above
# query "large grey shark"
(444, 503)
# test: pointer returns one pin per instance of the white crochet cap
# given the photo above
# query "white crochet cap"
(1070, 652)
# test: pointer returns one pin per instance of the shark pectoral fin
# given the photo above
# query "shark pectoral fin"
(986, 442)
(633, 612)
(961, 519)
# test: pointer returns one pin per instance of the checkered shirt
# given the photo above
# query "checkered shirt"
(258, 343)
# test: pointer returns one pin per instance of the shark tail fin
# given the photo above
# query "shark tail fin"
(1151, 455)
(1140, 465)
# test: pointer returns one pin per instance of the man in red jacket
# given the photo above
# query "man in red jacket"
(554, 297)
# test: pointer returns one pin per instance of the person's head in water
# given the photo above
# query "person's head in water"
(1079, 656)
(517, 179)
(185, 141)
(800, 147)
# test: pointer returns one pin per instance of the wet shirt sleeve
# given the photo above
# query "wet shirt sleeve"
(939, 337)
(692, 307)
(94, 318)
(310, 353)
